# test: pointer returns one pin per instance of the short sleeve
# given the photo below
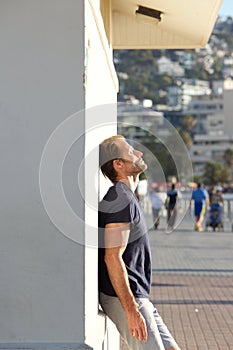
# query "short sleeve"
(123, 215)
(116, 208)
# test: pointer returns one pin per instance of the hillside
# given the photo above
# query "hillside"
(146, 74)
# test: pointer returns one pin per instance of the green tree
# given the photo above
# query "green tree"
(228, 157)
(186, 138)
(189, 122)
(162, 154)
(216, 173)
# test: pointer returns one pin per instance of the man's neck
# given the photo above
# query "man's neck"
(130, 181)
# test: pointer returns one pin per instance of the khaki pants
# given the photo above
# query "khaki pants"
(158, 336)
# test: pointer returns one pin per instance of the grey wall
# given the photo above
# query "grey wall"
(41, 84)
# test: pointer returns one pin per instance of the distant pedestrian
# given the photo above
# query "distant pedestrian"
(171, 200)
(201, 203)
(217, 197)
(216, 200)
(157, 205)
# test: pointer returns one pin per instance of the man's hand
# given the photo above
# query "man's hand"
(137, 325)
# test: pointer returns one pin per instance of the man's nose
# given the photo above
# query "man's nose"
(139, 154)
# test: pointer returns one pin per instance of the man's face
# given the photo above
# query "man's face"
(134, 164)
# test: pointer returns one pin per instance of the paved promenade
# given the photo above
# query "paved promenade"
(193, 285)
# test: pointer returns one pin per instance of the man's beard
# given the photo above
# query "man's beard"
(140, 166)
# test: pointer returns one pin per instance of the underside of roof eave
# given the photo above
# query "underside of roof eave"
(173, 31)
(158, 47)
(153, 38)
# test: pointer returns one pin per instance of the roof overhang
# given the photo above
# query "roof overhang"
(157, 24)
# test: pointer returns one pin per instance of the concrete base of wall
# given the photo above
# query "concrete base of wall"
(44, 346)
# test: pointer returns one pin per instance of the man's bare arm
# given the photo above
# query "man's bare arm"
(116, 238)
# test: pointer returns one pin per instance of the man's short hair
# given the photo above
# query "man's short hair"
(108, 152)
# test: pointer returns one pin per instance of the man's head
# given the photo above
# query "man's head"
(118, 158)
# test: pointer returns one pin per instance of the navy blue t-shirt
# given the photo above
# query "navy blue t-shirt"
(172, 194)
(121, 205)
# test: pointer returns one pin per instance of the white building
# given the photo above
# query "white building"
(209, 148)
(215, 126)
(228, 106)
(209, 114)
(181, 95)
(135, 121)
(56, 62)
(166, 66)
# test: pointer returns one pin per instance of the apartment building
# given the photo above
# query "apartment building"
(214, 129)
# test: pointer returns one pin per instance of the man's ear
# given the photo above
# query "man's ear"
(117, 164)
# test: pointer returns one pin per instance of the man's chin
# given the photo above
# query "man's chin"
(142, 168)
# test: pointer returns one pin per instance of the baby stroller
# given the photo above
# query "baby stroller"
(214, 217)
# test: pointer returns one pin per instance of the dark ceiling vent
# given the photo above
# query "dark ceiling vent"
(146, 11)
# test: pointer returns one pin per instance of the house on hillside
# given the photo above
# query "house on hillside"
(166, 66)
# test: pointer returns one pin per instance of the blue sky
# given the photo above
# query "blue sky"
(226, 8)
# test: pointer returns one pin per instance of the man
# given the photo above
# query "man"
(171, 206)
(201, 203)
(157, 205)
(124, 253)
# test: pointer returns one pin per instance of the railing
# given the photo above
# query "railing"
(184, 204)
(228, 207)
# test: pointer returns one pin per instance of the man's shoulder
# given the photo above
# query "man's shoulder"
(118, 191)
(110, 194)
(117, 198)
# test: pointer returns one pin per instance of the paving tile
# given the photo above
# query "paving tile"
(193, 286)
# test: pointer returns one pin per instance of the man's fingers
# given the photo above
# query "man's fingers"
(144, 336)
(137, 327)
(144, 332)
(140, 333)
(143, 329)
